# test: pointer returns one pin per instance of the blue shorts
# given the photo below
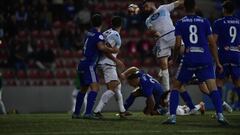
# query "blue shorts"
(87, 75)
(228, 70)
(203, 73)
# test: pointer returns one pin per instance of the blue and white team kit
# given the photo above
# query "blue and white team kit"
(228, 31)
(197, 58)
(91, 54)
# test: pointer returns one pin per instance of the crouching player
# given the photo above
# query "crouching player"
(146, 86)
(195, 33)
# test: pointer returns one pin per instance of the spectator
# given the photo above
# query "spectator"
(45, 58)
(66, 39)
(45, 18)
(19, 55)
(69, 9)
(21, 16)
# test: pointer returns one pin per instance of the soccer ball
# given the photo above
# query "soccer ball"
(133, 9)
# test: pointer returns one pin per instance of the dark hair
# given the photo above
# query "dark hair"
(116, 21)
(96, 20)
(189, 5)
(228, 6)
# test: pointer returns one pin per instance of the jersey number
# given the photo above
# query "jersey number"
(233, 33)
(193, 37)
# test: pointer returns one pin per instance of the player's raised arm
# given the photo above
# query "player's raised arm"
(173, 5)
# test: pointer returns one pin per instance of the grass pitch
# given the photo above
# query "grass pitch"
(62, 124)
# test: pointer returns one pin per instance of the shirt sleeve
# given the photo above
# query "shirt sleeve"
(208, 28)
(148, 23)
(177, 29)
(168, 7)
(114, 40)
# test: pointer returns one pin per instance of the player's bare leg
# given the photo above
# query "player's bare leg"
(164, 73)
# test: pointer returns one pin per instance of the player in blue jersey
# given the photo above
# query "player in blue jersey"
(146, 86)
(195, 33)
(94, 47)
(226, 31)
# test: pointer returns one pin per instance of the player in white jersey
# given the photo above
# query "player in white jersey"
(161, 25)
(108, 67)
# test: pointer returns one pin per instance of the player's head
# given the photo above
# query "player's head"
(116, 22)
(133, 79)
(228, 7)
(189, 6)
(149, 7)
(96, 20)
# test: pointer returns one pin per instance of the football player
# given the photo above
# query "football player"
(160, 24)
(226, 32)
(108, 66)
(146, 86)
(195, 32)
(93, 47)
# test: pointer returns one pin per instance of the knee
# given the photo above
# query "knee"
(113, 85)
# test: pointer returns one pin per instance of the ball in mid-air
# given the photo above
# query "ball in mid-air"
(133, 9)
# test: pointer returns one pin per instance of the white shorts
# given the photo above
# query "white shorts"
(109, 72)
(163, 47)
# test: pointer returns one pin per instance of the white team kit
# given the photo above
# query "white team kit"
(108, 67)
(161, 22)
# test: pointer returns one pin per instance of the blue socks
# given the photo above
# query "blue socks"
(90, 102)
(129, 101)
(220, 91)
(217, 101)
(174, 101)
(79, 102)
(238, 93)
(187, 99)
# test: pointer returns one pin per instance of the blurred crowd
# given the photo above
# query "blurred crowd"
(43, 34)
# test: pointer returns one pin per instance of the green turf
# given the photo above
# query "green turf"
(62, 124)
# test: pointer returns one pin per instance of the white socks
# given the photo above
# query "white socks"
(74, 96)
(2, 107)
(165, 80)
(104, 99)
(119, 98)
